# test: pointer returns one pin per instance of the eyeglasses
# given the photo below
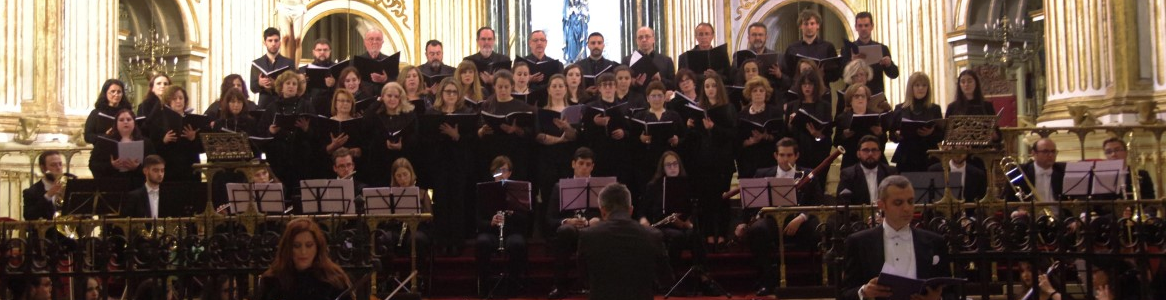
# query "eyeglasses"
(1112, 151)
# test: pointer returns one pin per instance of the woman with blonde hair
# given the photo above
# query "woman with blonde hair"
(917, 107)
(391, 133)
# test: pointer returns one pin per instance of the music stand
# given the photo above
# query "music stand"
(1078, 175)
(241, 196)
(181, 199)
(327, 196)
(392, 200)
(768, 192)
(505, 195)
(581, 194)
(677, 196)
(929, 185)
(1107, 177)
(88, 197)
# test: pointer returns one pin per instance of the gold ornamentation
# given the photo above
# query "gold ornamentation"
(226, 146)
(970, 131)
(1147, 112)
(995, 81)
(745, 6)
(396, 8)
(1082, 116)
(26, 131)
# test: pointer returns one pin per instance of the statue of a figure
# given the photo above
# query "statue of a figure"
(576, 15)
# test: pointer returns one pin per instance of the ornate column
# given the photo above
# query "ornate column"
(90, 48)
(1081, 36)
(47, 60)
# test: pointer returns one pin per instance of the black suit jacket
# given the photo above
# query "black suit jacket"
(853, 179)
(1057, 185)
(36, 207)
(975, 181)
(663, 63)
(137, 204)
(623, 258)
(865, 256)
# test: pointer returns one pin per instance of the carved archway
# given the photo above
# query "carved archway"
(398, 30)
(761, 11)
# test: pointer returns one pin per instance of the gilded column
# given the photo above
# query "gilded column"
(455, 24)
(90, 48)
(1079, 44)
(46, 56)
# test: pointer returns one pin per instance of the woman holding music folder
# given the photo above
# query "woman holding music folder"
(286, 121)
(556, 137)
(391, 133)
(231, 82)
(235, 117)
(716, 135)
(102, 119)
(577, 93)
(153, 100)
(350, 81)
(605, 131)
(810, 122)
(472, 91)
(915, 126)
(342, 129)
(175, 135)
(761, 124)
(106, 162)
(449, 158)
(856, 122)
(415, 91)
(509, 126)
(657, 128)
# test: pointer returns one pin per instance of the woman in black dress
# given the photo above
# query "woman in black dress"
(913, 145)
(231, 82)
(391, 133)
(857, 97)
(556, 139)
(176, 141)
(717, 136)
(153, 100)
(969, 100)
(102, 119)
(653, 145)
(762, 124)
(813, 139)
(104, 162)
(577, 93)
(510, 140)
(449, 158)
(471, 83)
(302, 268)
(288, 149)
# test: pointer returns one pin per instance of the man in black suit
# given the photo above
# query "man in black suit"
(374, 39)
(863, 178)
(1045, 173)
(595, 63)
(704, 33)
(270, 61)
(645, 47)
(1115, 148)
(40, 198)
(762, 235)
(974, 181)
(537, 43)
(895, 248)
(486, 56)
(622, 258)
(566, 225)
(144, 202)
(344, 166)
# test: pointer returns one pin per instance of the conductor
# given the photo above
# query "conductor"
(622, 257)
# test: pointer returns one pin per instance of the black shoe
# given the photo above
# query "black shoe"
(764, 291)
(557, 294)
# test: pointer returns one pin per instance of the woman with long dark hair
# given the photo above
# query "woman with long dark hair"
(109, 101)
(153, 100)
(716, 136)
(969, 98)
(302, 268)
(231, 82)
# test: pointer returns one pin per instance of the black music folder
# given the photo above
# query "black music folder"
(387, 64)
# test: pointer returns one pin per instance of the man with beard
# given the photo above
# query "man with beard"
(434, 65)
(321, 57)
(272, 60)
(863, 178)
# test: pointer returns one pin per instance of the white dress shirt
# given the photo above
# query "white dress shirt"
(152, 194)
(49, 186)
(872, 182)
(1044, 182)
(785, 174)
(899, 251)
(963, 174)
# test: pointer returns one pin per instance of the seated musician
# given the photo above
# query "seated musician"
(1115, 148)
(511, 227)
(974, 181)
(302, 268)
(405, 176)
(895, 248)
(677, 230)
(1046, 175)
(761, 234)
(40, 199)
(344, 166)
(567, 224)
(144, 202)
(863, 179)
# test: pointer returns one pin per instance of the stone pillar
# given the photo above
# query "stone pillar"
(47, 60)
(89, 37)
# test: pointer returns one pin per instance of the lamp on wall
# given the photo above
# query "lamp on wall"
(1006, 31)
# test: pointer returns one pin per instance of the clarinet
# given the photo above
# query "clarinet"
(401, 236)
(667, 220)
(501, 231)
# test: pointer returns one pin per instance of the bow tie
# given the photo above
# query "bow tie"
(897, 235)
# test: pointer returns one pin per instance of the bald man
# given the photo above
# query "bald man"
(645, 46)
(538, 54)
(373, 40)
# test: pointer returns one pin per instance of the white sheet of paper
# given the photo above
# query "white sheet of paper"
(132, 150)
(873, 53)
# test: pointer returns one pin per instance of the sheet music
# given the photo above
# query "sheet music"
(242, 196)
(636, 56)
(1108, 177)
(327, 196)
(393, 200)
(1076, 182)
(132, 150)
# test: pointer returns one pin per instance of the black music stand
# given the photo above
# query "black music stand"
(581, 194)
(1107, 177)
(500, 196)
(929, 185)
(327, 196)
(677, 196)
(392, 200)
(89, 197)
(768, 192)
(269, 196)
(1078, 176)
(181, 199)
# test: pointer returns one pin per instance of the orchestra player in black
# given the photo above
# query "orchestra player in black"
(40, 199)
(566, 225)
(920, 106)
(512, 227)
(176, 141)
(270, 61)
(761, 233)
(757, 144)
(677, 231)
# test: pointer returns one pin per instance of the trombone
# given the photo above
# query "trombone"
(1017, 180)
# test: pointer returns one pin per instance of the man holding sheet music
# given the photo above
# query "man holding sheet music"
(267, 67)
(435, 68)
(894, 248)
(322, 61)
(595, 63)
(761, 234)
(713, 60)
(758, 34)
(571, 206)
(655, 66)
(486, 60)
(374, 39)
(812, 47)
(877, 55)
(541, 65)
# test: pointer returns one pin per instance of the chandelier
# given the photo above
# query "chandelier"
(154, 47)
(1006, 31)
